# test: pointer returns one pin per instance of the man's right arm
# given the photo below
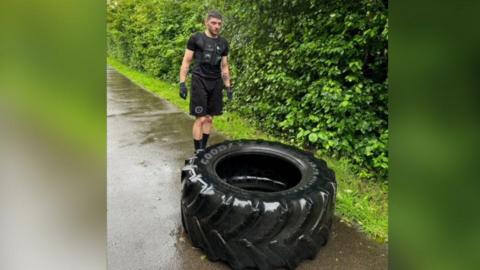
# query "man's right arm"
(187, 60)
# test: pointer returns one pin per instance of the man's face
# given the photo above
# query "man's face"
(214, 25)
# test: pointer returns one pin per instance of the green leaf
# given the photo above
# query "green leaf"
(350, 78)
(344, 104)
(313, 137)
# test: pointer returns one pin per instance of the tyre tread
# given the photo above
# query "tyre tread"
(252, 242)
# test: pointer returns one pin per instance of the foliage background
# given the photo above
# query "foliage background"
(311, 72)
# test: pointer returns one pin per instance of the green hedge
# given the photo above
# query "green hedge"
(311, 72)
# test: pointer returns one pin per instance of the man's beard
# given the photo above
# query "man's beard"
(212, 32)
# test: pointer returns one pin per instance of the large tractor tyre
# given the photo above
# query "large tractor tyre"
(257, 204)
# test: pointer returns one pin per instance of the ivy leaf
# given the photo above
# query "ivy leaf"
(344, 104)
(313, 137)
(350, 78)
(323, 136)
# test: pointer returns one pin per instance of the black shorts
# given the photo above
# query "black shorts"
(206, 97)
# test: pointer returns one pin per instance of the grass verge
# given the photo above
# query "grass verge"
(359, 202)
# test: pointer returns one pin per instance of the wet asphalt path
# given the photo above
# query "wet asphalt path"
(148, 140)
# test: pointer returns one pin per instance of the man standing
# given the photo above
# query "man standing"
(209, 76)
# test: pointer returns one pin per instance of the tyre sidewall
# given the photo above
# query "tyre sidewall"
(311, 176)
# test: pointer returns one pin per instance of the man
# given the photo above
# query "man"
(209, 76)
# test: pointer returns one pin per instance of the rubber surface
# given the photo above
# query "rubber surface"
(257, 204)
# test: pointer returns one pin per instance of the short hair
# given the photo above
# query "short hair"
(214, 14)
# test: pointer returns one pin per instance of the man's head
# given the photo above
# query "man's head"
(213, 22)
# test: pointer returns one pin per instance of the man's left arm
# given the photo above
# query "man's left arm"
(225, 72)
(226, 77)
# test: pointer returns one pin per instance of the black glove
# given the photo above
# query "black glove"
(229, 93)
(183, 90)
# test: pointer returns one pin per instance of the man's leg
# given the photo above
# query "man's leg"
(206, 128)
(214, 106)
(197, 132)
(198, 107)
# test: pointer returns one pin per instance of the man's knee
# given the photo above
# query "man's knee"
(201, 119)
(208, 119)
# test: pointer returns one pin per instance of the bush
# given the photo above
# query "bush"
(311, 72)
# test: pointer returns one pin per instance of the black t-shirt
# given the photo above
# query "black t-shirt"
(208, 54)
